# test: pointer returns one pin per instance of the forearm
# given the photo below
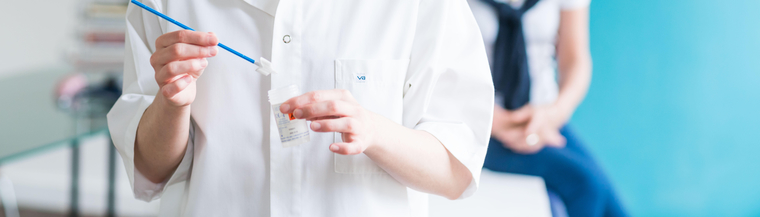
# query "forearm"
(574, 61)
(161, 139)
(418, 160)
(574, 81)
(413, 157)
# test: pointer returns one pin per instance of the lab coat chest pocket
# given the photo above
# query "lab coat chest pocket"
(378, 87)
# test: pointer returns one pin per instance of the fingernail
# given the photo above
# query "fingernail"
(284, 108)
(188, 79)
(334, 148)
(210, 38)
(204, 63)
(315, 126)
(213, 51)
(298, 113)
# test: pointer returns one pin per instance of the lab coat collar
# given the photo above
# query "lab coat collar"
(268, 6)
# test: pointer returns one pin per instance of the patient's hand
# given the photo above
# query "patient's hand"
(546, 122)
(509, 128)
(512, 128)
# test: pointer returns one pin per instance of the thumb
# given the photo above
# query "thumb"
(554, 138)
(533, 125)
(345, 148)
(521, 115)
(172, 89)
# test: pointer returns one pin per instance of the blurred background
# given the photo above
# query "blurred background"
(673, 113)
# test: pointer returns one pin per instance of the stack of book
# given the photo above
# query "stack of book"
(99, 46)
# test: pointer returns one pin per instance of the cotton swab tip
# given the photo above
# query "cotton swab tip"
(265, 67)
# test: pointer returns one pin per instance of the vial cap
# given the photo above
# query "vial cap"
(282, 94)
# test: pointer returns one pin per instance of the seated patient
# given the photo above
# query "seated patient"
(527, 41)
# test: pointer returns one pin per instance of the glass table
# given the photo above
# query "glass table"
(31, 123)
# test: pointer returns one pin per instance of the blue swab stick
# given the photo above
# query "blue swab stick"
(264, 68)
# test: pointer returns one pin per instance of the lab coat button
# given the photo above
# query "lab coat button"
(286, 39)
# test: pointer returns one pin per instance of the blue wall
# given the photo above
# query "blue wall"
(673, 113)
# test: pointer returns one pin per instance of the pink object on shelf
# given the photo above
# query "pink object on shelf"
(70, 85)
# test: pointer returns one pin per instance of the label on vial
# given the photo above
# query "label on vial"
(292, 131)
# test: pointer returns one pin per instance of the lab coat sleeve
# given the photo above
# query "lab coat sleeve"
(449, 92)
(140, 89)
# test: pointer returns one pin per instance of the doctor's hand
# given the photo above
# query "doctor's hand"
(179, 60)
(338, 111)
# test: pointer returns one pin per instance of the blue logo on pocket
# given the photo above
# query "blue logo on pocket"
(360, 78)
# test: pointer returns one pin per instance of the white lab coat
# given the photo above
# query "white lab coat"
(424, 66)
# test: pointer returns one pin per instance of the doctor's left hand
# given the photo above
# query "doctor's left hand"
(338, 111)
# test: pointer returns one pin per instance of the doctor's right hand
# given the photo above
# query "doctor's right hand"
(179, 60)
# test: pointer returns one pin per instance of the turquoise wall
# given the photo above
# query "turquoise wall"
(673, 113)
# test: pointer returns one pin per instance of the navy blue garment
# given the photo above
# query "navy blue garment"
(509, 71)
(570, 172)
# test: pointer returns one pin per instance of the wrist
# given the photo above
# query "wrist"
(387, 133)
(560, 113)
(164, 106)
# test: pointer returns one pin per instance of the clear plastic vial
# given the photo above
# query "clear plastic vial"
(293, 131)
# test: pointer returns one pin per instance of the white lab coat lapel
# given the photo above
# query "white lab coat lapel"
(268, 6)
